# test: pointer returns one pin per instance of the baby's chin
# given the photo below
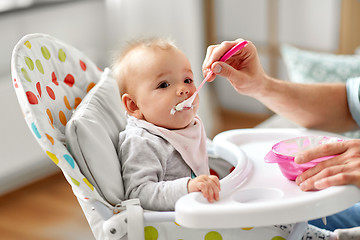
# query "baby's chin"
(176, 125)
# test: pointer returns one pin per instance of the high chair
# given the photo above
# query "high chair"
(74, 112)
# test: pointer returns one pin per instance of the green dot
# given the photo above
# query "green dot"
(29, 63)
(213, 236)
(62, 55)
(39, 66)
(151, 233)
(26, 75)
(45, 52)
(75, 182)
(278, 238)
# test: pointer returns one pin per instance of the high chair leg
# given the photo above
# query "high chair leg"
(298, 231)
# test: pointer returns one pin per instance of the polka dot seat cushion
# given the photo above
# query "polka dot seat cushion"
(50, 79)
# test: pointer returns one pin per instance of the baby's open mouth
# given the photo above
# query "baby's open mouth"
(180, 107)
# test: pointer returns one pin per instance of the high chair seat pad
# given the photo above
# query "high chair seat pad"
(92, 137)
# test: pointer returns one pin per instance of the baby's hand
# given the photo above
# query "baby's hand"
(209, 185)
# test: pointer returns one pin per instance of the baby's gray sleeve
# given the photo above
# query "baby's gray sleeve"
(143, 164)
(353, 94)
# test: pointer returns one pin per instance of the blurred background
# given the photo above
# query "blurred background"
(35, 200)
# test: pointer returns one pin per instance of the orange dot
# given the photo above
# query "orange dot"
(90, 86)
(51, 139)
(50, 116)
(67, 104)
(77, 102)
(62, 118)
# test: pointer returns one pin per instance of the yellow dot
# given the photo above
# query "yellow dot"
(278, 238)
(213, 236)
(27, 44)
(89, 184)
(52, 157)
(151, 233)
(247, 229)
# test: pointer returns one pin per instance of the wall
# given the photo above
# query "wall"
(307, 24)
(22, 161)
(180, 20)
(98, 28)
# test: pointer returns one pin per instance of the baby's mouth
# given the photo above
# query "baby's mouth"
(180, 107)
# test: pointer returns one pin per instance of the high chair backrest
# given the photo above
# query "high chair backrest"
(51, 79)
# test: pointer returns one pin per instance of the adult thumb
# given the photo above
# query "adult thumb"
(222, 69)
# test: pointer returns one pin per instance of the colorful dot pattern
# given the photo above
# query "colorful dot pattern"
(168, 230)
(50, 79)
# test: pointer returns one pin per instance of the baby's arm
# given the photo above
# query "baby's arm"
(209, 185)
(143, 163)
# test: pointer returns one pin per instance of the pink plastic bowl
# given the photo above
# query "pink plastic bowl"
(284, 152)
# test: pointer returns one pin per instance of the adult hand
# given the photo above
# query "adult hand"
(208, 185)
(340, 170)
(243, 69)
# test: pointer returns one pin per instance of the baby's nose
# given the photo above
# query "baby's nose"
(183, 91)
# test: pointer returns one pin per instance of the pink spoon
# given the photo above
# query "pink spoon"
(188, 102)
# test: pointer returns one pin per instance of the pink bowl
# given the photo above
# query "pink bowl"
(284, 152)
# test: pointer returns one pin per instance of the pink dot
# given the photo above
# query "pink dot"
(50, 92)
(38, 87)
(69, 80)
(213, 172)
(82, 65)
(15, 83)
(54, 79)
(31, 97)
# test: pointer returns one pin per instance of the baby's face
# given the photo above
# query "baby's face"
(161, 80)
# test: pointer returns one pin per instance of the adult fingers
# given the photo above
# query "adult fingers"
(340, 174)
(337, 160)
(206, 63)
(322, 150)
(215, 52)
(307, 180)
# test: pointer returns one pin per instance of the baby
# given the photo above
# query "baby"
(163, 155)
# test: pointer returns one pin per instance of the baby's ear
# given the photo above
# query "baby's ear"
(130, 106)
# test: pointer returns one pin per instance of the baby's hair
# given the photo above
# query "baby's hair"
(119, 67)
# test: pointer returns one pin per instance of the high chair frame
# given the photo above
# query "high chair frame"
(52, 78)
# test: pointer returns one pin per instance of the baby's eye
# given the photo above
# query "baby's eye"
(163, 85)
(188, 80)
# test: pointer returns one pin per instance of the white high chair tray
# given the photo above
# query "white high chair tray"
(256, 193)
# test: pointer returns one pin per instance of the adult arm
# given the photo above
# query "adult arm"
(319, 106)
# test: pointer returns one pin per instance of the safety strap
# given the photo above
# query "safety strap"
(128, 218)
